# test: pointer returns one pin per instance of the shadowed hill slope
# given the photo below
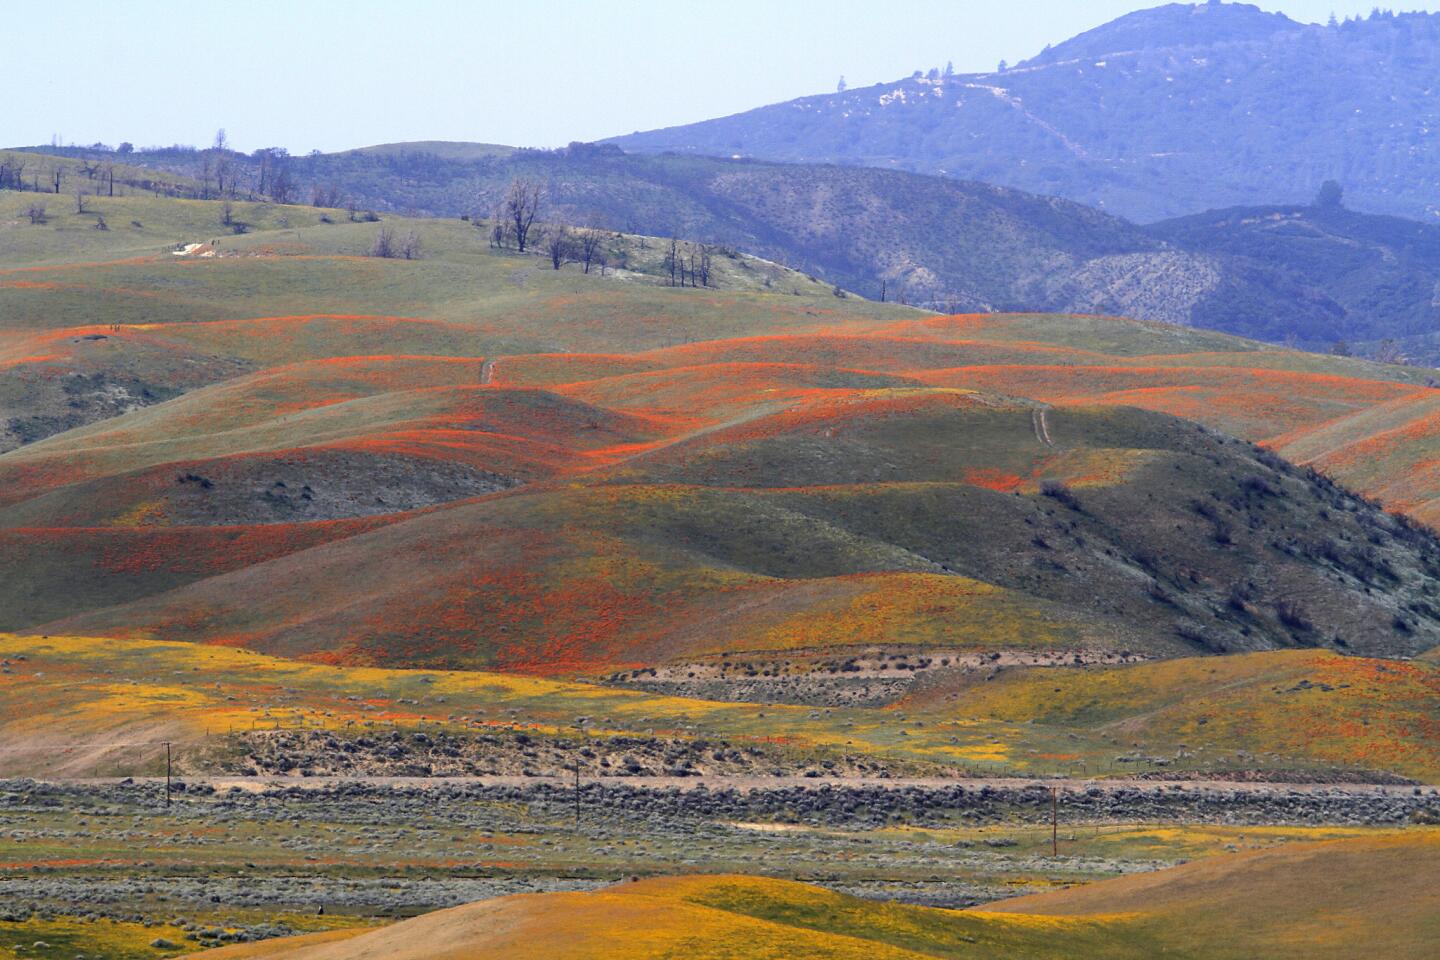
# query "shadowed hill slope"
(1089, 529)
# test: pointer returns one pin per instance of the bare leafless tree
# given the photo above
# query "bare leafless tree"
(1389, 352)
(36, 213)
(410, 246)
(226, 175)
(12, 173)
(591, 241)
(701, 267)
(557, 244)
(521, 206)
(384, 244)
(56, 175)
(79, 199)
(673, 262)
(326, 196)
(282, 187)
(227, 213)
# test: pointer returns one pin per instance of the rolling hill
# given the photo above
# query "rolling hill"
(1315, 275)
(475, 460)
(502, 465)
(1334, 899)
(1296, 715)
(812, 471)
(1141, 116)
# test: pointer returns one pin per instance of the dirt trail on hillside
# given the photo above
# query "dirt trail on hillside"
(1042, 427)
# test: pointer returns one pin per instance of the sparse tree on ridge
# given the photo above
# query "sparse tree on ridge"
(281, 185)
(558, 246)
(12, 173)
(1389, 352)
(326, 196)
(673, 262)
(700, 264)
(275, 181)
(840, 87)
(521, 206)
(384, 244)
(1331, 196)
(499, 234)
(590, 242)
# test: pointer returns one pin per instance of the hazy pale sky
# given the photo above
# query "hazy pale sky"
(333, 74)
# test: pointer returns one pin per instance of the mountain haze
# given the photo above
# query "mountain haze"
(1162, 113)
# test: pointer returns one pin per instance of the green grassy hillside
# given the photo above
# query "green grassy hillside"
(947, 244)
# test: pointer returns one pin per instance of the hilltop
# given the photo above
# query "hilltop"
(1140, 117)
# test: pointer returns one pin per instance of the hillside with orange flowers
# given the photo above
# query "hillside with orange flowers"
(474, 460)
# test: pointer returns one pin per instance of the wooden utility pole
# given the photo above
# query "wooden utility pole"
(167, 773)
(1054, 821)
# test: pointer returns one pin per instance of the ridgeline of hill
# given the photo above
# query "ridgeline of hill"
(1161, 113)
